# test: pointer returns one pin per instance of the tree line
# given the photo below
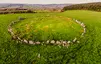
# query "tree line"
(8, 11)
(86, 6)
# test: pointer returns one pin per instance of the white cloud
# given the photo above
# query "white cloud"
(47, 1)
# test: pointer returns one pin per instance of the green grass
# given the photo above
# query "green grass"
(88, 51)
(45, 28)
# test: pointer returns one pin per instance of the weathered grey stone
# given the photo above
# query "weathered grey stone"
(84, 30)
(82, 34)
(75, 39)
(10, 30)
(76, 20)
(78, 41)
(21, 40)
(58, 42)
(18, 38)
(14, 37)
(69, 42)
(38, 55)
(12, 33)
(25, 41)
(37, 42)
(31, 42)
(52, 42)
(61, 41)
(67, 45)
(64, 42)
(82, 24)
(47, 42)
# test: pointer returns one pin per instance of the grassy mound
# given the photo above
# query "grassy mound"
(45, 28)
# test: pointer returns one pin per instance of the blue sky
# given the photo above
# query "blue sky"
(48, 1)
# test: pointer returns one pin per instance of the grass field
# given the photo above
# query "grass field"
(86, 52)
(48, 27)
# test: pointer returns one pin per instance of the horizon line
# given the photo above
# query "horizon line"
(50, 3)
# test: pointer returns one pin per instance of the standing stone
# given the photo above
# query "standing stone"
(10, 30)
(78, 41)
(76, 21)
(58, 42)
(38, 55)
(14, 37)
(82, 24)
(52, 42)
(25, 41)
(47, 42)
(82, 34)
(69, 42)
(31, 42)
(37, 42)
(75, 39)
(61, 41)
(64, 42)
(21, 40)
(84, 30)
(18, 38)
(12, 33)
(67, 45)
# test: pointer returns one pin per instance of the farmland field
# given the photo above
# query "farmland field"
(85, 52)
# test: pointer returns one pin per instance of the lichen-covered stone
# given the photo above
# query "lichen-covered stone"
(18, 38)
(38, 55)
(37, 42)
(64, 42)
(58, 42)
(75, 39)
(78, 41)
(47, 42)
(12, 33)
(52, 42)
(69, 42)
(25, 41)
(31, 42)
(14, 37)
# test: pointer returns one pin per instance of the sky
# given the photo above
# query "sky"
(48, 1)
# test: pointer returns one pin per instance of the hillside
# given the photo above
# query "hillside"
(23, 8)
(33, 6)
(86, 6)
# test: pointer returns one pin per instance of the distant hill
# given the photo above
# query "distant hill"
(86, 6)
(34, 6)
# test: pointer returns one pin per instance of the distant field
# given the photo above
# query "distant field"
(86, 52)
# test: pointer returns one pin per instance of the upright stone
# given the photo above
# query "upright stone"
(75, 39)
(69, 42)
(31, 42)
(52, 42)
(47, 42)
(37, 42)
(58, 42)
(25, 41)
